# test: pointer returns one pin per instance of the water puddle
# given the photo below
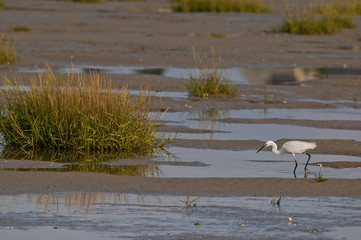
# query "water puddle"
(130, 216)
(339, 101)
(142, 170)
(346, 232)
(170, 94)
(284, 113)
(203, 163)
(264, 132)
(241, 131)
(73, 161)
(243, 164)
(54, 233)
(246, 75)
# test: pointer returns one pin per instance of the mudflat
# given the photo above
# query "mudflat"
(148, 33)
(50, 182)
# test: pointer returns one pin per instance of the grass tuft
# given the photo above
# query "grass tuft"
(319, 176)
(323, 25)
(254, 6)
(7, 51)
(305, 20)
(77, 112)
(338, 7)
(189, 201)
(276, 202)
(208, 80)
(19, 28)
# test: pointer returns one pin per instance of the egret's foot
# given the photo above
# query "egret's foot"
(306, 172)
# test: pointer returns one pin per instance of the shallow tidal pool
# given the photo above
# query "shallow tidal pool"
(130, 216)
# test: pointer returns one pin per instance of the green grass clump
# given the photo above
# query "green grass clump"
(208, 80)
(323, 25)
(7, 51)
(77, 112)
(19, 28)
(255, 6)
(306, 20)
(338, 7)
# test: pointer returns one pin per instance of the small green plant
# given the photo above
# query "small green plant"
(77, 112)
(189, 201)
(7, 51)
(354, 98)
(255, 6)
(220, 35)
(319, 177)
(19, 28)
(316, 25)
(276, 202)
(208, 80)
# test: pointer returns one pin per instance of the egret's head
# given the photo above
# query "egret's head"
(267, 144)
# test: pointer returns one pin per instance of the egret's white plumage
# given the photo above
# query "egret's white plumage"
(292, 147)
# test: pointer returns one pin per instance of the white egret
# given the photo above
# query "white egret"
(292, 147)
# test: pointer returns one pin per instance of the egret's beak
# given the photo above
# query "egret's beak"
(261, 148)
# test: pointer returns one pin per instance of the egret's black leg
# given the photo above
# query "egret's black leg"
(309, 157)
(296, 164)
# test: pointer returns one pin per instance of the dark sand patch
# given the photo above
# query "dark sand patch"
(52, 182)
(11, 163)
(226, 103)
(335, 124)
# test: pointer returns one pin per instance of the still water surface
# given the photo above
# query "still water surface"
(129, 216)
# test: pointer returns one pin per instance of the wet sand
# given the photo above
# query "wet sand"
(53, 182)
(146, 33)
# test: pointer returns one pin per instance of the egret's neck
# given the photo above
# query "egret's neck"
(274, 148)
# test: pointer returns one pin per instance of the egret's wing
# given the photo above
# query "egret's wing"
(298, 146)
